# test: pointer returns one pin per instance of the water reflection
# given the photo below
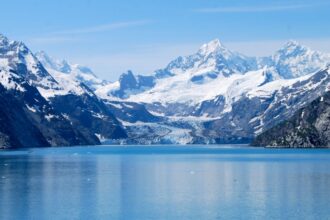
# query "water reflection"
(146, 186)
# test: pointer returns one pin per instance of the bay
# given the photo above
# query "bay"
(164, 182)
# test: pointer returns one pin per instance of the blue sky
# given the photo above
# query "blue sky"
(143, 35)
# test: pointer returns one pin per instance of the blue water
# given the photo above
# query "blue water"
(191, 182)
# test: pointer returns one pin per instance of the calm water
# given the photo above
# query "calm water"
(219, 182)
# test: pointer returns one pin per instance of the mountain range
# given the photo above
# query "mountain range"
(213, 96)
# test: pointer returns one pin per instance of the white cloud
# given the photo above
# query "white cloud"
(253, 9)
(51, 40)
(74, 35)
(104, 27)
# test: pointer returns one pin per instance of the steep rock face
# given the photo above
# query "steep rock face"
(131, 112)
(27, 120)
(58, 108)
(309, 127)
(127, 85)
(90, 115)
(16, 127)
(18, 59)
(78, 102)
(250, 115)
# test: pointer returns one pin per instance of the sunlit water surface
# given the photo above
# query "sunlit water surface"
(162, 182)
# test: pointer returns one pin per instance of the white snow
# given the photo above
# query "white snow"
(68, 85)
(105, 91)
(66, 116)
(180, 89)
(49, 117)
(287, 66)
(302, 114)
(8, 80)
(3, 62)
(98, 115)
(32, 109)
(295, 60)
(100, 137)
(75, 71)
(118, 106)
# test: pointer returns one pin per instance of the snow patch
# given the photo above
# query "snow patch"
(32, 109)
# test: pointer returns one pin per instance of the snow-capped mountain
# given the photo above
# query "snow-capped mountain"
(214, 72)
(77, 100)
(66, 71)
(40, 109)
(217, 96)
(213, 96)
(27, 118)
(18, 62)
(186, 79)
(127, 85)
(294, 60)
(212, 61)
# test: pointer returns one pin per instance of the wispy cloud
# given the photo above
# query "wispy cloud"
(73, 35)
(103, 27)
(52, 40)
(253, 9)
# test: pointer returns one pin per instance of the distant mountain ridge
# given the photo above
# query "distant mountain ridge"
(220, 96)
(213, 96)
(74, 71)
(213, 60)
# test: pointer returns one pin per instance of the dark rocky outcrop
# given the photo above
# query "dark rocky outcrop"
(28, 120)
(309, 127)
(90, 115)
(131, 84)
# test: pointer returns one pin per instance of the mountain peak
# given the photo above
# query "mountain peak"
(3, 40)
(50, 62)
(292, 46)
(6, 43)
(292, 43)
(42, 53)
(211, 47)
(215, 43)
(2, 36)
(295, 60)
(126, 74)
(292, 49)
